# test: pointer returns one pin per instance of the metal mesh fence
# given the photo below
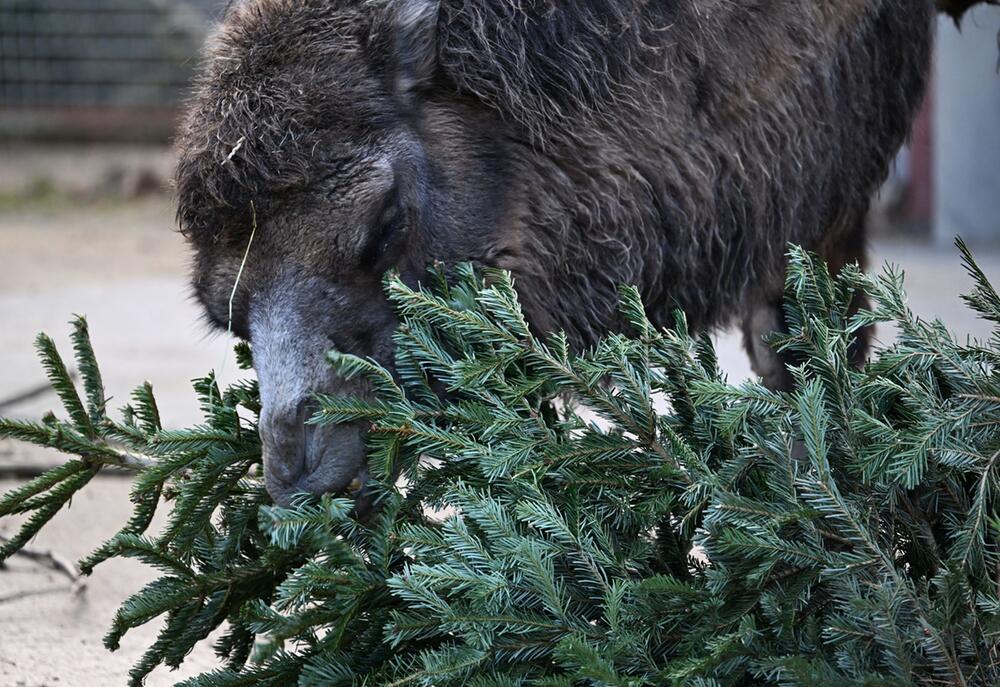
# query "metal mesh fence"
(76, 63)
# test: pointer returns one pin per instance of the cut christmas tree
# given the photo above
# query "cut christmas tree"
(620, 516)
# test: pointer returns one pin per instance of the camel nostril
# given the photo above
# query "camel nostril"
(311, 446)
(284, 461)
(309, 431)
(284, 440)
(305, 409)
(301, 456)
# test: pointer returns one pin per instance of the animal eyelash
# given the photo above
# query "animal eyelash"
(388, 229)
(390, 216)
(390, 223)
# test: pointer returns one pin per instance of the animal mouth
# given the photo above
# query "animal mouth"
(320, 459)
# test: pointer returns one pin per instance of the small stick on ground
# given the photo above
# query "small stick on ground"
(28, 593)
(31, 471)
(55, 561)
(29, 395)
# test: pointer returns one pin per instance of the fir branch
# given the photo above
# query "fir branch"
(840, 534)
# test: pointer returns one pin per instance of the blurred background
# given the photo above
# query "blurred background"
(89, 96)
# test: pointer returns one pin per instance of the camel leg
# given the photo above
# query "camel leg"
(768, 317)
(767, 363)
(853, 249)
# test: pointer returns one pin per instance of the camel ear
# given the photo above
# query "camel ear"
(416, 43)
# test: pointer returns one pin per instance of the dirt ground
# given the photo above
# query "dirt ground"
(123, 266)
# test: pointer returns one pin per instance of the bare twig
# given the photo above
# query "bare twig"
(55, 561)
(136, 462)
(28, 593)
(29, 395)
(32, 470)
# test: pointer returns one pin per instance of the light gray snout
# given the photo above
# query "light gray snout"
(304, 457)
(291, 365)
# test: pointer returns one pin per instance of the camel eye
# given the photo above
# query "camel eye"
(391, 221)
(389, 226)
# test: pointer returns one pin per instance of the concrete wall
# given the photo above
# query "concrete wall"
(967, 129)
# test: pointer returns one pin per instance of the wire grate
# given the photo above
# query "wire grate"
(99, 55)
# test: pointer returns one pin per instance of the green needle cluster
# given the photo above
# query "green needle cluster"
(547, 517)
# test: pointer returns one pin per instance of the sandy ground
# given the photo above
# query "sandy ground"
(123, 266)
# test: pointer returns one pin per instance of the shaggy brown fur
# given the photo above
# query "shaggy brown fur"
(678, 145)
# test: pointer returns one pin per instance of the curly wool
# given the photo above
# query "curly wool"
(679, 145)
(696, 138)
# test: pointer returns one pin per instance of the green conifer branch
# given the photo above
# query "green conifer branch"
(841, 534)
